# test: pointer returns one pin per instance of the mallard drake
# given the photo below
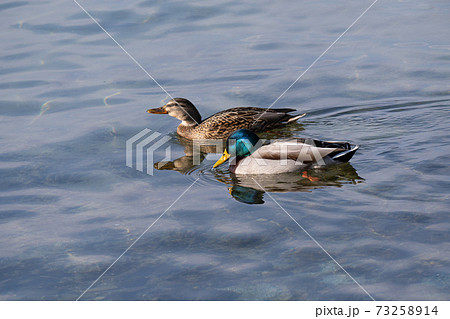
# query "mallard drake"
(251, 156)
(222, 124)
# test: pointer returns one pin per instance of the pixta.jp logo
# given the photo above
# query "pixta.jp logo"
(145, 140)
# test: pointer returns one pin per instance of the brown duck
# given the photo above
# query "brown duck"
(222, 124)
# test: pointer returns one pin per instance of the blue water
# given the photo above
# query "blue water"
(70, 98)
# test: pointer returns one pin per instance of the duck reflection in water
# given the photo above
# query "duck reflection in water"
(195, 153)
(250, 189)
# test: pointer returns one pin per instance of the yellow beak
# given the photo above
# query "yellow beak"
(158, 110)
(224, 158)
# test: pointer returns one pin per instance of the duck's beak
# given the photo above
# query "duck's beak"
(224, 158)
(158, 110)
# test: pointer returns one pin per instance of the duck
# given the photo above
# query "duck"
(251, 155)
(222, 124)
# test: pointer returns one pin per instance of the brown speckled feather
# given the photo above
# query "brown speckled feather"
(222, 124)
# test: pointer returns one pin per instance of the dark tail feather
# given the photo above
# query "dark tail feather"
(345, 156)
(285, 110)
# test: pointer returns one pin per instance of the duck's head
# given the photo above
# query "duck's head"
(181, 109)
(240, 144)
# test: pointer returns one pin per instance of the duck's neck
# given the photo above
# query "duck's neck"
(186, 130)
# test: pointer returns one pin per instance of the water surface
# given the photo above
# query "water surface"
(70, 98)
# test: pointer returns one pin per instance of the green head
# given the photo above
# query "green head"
(240, 143)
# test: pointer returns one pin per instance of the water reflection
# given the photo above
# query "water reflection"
(194, 155)
(250, 189)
